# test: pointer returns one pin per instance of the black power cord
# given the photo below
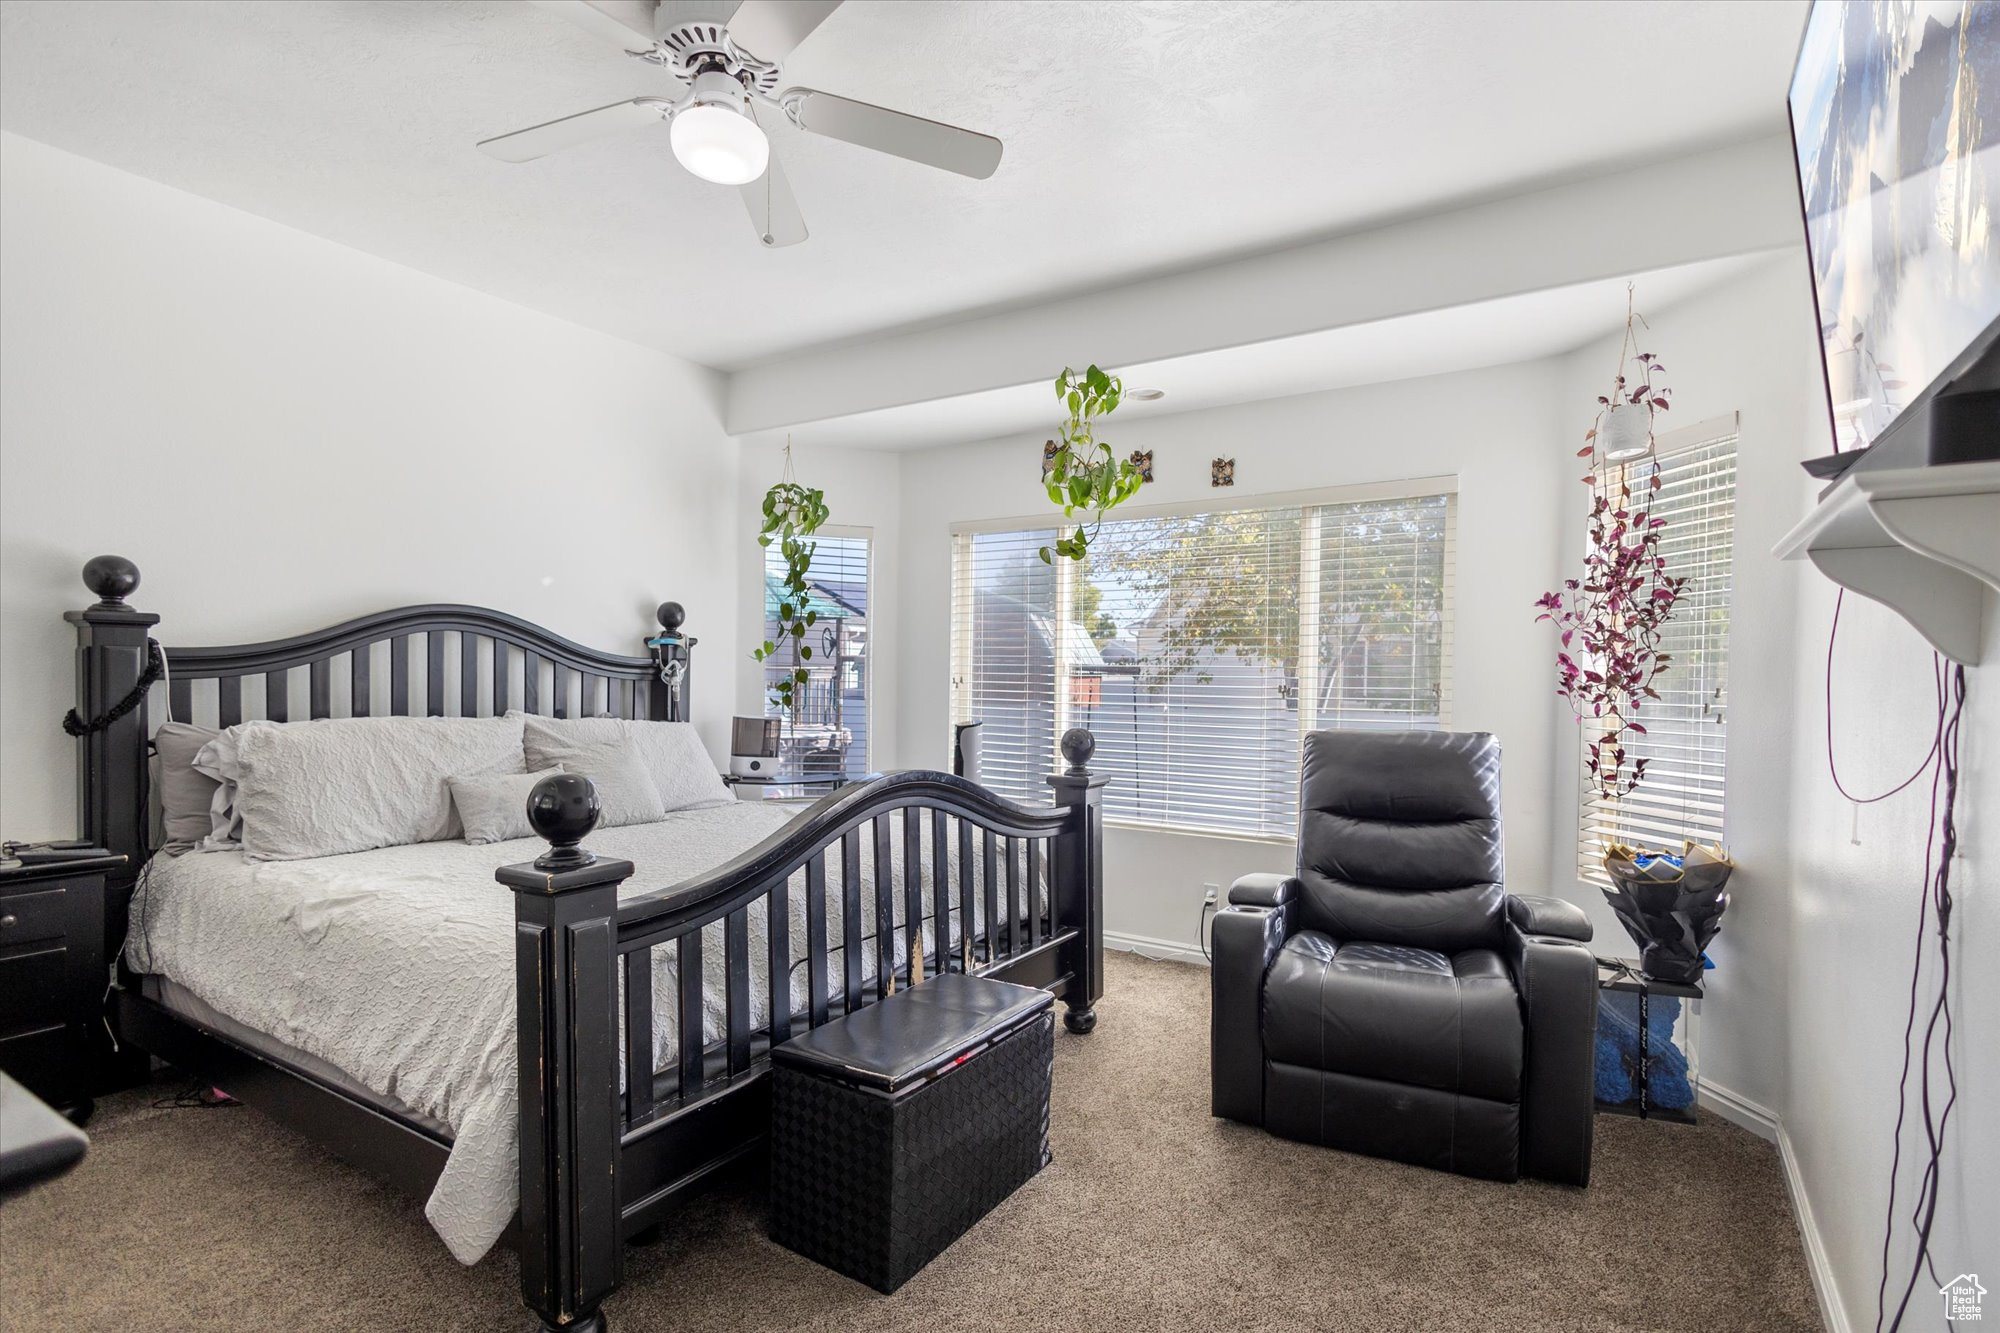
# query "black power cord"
(1937, 902)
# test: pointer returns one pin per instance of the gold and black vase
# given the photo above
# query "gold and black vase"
(1670, 903)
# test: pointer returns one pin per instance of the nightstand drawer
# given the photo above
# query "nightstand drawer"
(29, 918)
(36, 991)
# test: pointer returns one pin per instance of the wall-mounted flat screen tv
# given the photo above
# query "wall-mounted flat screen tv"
(1895, 108)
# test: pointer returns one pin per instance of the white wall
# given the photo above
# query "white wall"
(283, 432)
(1494, 429)
(1858, 880)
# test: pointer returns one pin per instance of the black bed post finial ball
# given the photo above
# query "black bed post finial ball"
(1077, 747)
(563, 807)
(112, 578)
(672, 616)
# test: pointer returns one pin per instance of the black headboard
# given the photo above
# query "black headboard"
(440, 660)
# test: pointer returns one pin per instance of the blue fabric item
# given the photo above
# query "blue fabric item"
(1617, 1054)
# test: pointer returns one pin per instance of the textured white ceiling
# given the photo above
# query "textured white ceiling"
(1141, 137)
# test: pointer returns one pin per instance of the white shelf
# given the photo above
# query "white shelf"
(1923, 541)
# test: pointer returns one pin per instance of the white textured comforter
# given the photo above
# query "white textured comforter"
(396, 966)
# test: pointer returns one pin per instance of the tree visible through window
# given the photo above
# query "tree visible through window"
(1179, 644)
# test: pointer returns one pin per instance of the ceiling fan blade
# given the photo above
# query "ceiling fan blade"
(774, 212)
(627, 22)
(541, 140)
(931, 142)
(770, 29)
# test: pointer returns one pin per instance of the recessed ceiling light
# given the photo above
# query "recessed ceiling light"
(1147, 395)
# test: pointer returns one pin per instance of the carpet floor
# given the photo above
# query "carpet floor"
(1153, 1215)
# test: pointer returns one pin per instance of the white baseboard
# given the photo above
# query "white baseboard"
(1831, 1312)
(1740, 1111)
(1149, 946)
(1766, 1124)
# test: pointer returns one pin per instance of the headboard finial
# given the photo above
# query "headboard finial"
(1077, 747)
(112, 577)
(563, 807)
(672, 616)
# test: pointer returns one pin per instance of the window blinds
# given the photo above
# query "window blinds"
(1199, 647)
(1685, 744)
(828, 730)
(1004, 645)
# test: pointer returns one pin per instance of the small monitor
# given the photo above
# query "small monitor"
(755, 737)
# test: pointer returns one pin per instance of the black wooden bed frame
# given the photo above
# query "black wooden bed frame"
(600, 1167)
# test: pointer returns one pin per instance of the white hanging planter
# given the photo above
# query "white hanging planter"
(1626, 433)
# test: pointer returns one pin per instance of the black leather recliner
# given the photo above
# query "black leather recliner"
(1391, 997)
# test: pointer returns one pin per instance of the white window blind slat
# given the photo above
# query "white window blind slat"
(1199, 647)
(1686, 745)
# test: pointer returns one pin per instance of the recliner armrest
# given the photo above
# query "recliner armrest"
(1557, 981)
(1242, 946)
(1264, 890)
(1547, 916)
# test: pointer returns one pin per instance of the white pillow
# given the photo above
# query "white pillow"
(349, 784)
(493, 807)
(603, 750)
(680, 765)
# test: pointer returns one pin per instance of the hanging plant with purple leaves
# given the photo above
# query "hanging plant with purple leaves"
(1612, 618)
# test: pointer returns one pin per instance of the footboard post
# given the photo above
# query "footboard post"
(566, 977)
(1076, 878)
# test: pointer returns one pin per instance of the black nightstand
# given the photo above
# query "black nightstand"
(53, 977)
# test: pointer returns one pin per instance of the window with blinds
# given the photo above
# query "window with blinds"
(1685, 744)
(1199, 646)
(827, 730)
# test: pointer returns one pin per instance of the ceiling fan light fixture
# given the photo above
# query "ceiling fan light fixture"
(716, 138)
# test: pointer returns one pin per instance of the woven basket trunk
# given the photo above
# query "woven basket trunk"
(875, 1185)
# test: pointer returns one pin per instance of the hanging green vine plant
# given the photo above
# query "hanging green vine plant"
(792, 513)
(1082, 474)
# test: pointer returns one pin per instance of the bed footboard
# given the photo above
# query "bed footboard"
(837, 911)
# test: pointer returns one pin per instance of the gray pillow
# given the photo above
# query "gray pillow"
(493, 807)
(602, 749)
(185, 794)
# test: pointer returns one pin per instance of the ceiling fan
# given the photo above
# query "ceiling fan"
(730, 69)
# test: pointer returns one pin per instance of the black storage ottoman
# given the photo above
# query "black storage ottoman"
(895, 1128)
